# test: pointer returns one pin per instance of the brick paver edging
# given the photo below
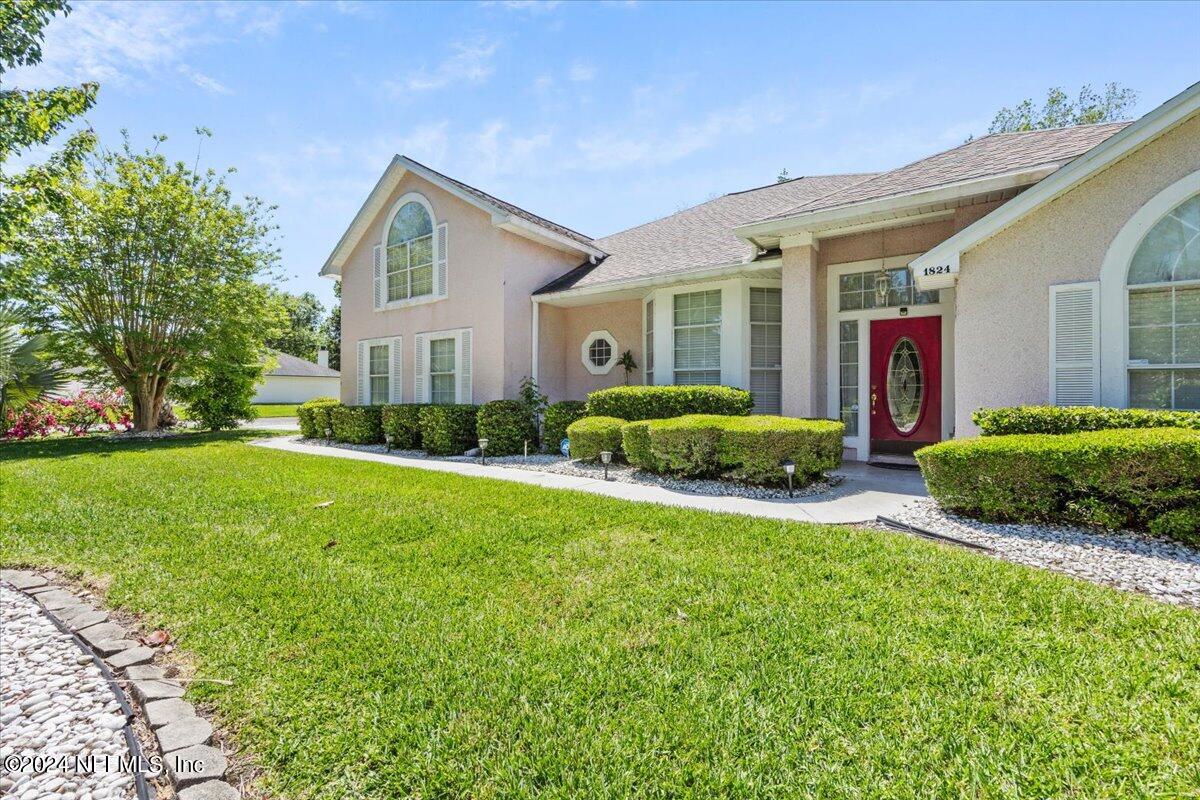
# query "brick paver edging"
(184, 737)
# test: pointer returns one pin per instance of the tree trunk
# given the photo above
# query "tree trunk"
(146, 405)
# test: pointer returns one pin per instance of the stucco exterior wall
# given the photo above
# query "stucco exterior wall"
(562, 374)
(294, 389)
(490, 276)
(1002, 337)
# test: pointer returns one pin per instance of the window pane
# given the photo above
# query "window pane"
(378, 359)
(1151, 344)
(379, 391)
(422, 281)
(1187, 344)
(1150, 308)
(441, 355)
(599, 352)
(1171, 250)
(765, 386)
(441, 389)
(766, 305)
(848, 375)
(410, 222)
(1187, 389)
(1187, 306)
(1150, 388)
(698, 378)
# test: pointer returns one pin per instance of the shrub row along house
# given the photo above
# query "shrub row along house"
(1056, 266)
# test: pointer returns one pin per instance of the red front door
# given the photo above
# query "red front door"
(906, 383)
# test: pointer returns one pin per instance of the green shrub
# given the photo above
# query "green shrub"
(635, 441)
(558, 416)
(403, 422)
(591, 435)
(314, 416)
(1113, 478)
(357, 424)
(1182, 524)
(663, 402)
(218, 393)
(448, 430)
(752, 448)
(747, 449)
(1075, 419)
(507, 425)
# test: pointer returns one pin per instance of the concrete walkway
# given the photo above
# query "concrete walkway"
(864, 493)
(272, 424)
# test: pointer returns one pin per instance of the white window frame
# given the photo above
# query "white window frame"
(648, 341)
(719, 325)
(395, 345)
(750, 323)
(437, 247)
(586, 357)
(943, 308)
(464, 367)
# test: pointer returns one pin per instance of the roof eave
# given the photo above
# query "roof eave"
(682, 276)
(1170, 114)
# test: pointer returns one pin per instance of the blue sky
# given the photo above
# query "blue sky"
(599, 116)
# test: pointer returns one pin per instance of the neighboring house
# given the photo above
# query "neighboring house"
(295, 380)
(1057, 266)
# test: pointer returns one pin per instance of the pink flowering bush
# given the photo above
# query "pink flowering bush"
(75, 416)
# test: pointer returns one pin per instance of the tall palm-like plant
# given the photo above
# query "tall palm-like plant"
(25, 374)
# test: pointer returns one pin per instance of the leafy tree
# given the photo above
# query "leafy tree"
(304, 333)
(26, 373)
(32, 118)
(783, 176)
(1060, 110)
(333, 329)
(150, 272)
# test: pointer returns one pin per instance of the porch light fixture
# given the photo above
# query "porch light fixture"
(389, 440)
(789, 467)
(606, 459)
(483, 443)
(883, 283)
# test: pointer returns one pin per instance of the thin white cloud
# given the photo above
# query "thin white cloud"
(581, 72)
(471, 63)
(531, 6)
(205, 82)
(494, 152)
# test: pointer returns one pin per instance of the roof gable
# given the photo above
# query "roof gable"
(504, 215)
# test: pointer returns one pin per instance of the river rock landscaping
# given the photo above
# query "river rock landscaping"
(1166, 570)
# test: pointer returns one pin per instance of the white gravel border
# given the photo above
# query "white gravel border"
(622, 473)
(1165, 570)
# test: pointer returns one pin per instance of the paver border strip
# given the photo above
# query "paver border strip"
(209, 788)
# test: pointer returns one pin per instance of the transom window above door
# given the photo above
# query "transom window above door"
(410, 253)
(1164, 313)
(857, 290)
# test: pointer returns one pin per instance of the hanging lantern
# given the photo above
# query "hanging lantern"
(883, 284)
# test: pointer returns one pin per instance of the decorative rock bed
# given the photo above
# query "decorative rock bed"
(1165, 570)
(624, 473)
(58, 701)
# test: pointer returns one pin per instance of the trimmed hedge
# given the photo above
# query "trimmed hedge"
(635, 441)
(448, 430)
(746, 449)
(403, 422)
(1075, 419)
(314, 416)
(1182, 524)
(557, 417)
(590, 435)
(357, 424)
(636, 403)
(507, 425)
(1110, 478)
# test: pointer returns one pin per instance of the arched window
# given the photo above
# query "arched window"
(410, 252)
(1163, 282)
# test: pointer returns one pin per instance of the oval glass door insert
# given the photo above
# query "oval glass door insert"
(905, 384)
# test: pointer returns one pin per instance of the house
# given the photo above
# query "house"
(1052, 266)
(295, 380)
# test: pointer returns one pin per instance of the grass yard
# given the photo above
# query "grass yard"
(265, 410)
(472, 638)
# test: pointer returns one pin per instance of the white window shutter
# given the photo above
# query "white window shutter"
(464, 366)
(380, 279)
(443, 247)
(364, 379)
(397, 377)
(419, 359)
(1075, 344)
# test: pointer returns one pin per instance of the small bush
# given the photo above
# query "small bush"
(448, 430)
(403, 423)
(688, 446)
(635, 441)
(218, 393)
(591, 435)
(663, 402)
(1075, 419)
(314, 416)
(1182, 524)
(507, 425)
(752, 448)
(357, 424)
(1112, 478)
(558, 416)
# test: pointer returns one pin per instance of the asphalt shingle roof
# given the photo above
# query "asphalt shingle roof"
(697, 237)
(291, 366)
(996, 154)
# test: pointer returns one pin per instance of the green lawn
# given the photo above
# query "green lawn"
(265, 410)
(472, 638)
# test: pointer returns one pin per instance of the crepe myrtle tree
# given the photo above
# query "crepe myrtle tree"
(149, 272)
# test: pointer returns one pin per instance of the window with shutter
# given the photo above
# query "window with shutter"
(379, 280)
(397, 390)
(443, 249)
(420, 359)
(362, 373)
(464, 374)
(1075, 344)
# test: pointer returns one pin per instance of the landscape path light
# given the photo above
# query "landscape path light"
(606, 459)
(789, 467)
(328, 434)
(389, 440)
(483, 443)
